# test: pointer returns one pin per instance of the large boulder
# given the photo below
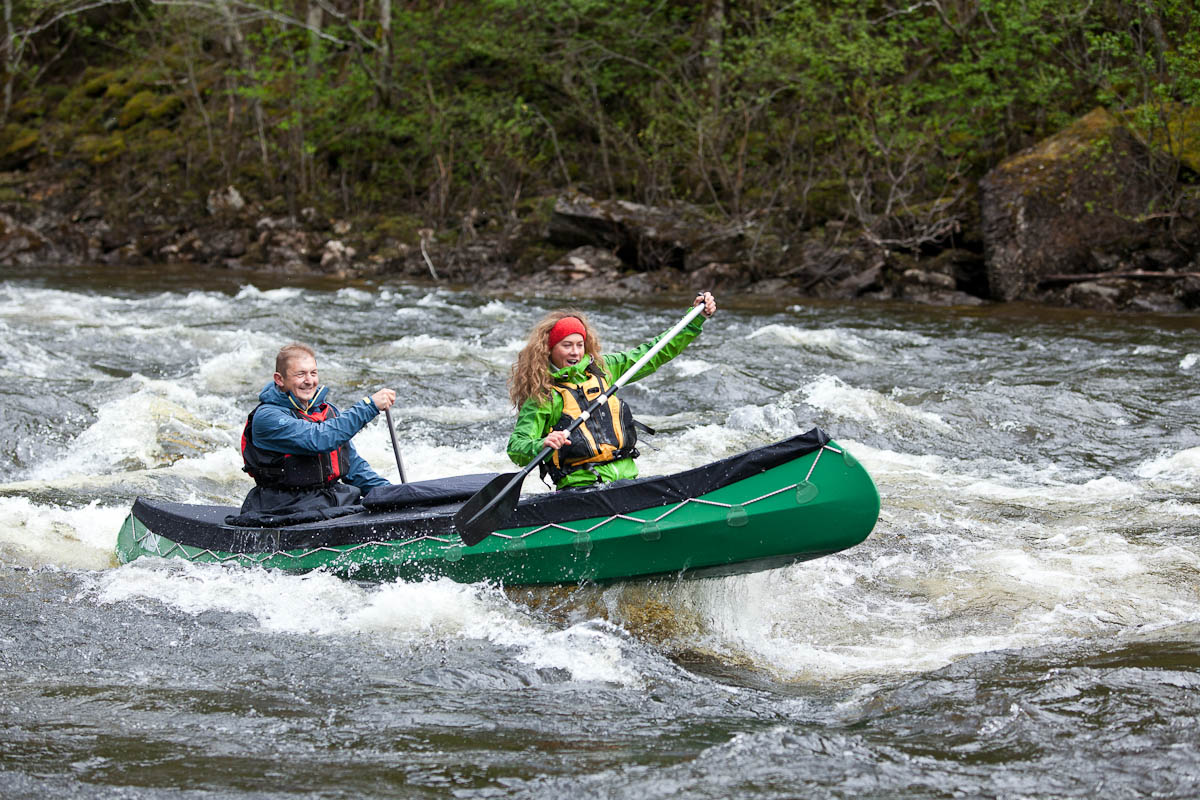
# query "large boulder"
(1053, 207)
(646, 238)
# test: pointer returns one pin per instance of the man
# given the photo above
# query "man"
(297, 447)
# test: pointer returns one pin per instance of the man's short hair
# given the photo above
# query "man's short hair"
(290, 351)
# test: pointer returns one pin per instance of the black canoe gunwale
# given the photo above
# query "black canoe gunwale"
(204, 526)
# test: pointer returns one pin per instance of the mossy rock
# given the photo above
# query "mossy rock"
(136, 108)
(159, 136)
(402, 228)
(14, 138)
(26, 108)
(118, 92)
(1050, 208)
(100, 149)
(76, 104)
(166, 108)
(18, 144)
(99, 85)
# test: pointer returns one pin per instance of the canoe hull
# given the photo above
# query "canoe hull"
(818, 504)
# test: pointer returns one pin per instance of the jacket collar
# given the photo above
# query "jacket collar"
(572, 373)
(271, 395)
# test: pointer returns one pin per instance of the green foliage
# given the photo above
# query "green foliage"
(799, 112)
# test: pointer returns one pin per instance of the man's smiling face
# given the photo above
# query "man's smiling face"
(301, 378)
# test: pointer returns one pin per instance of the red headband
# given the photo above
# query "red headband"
(564, 328)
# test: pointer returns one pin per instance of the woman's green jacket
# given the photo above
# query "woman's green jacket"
(536, 418)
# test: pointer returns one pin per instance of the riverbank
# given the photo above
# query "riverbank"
(569, 246)
(498, 146)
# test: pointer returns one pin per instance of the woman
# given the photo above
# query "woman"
(558, 374)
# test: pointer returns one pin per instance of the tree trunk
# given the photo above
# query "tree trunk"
(238, 42)
(10, 61)
(385, 51)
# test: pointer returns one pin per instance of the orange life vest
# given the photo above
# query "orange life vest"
(610, 433)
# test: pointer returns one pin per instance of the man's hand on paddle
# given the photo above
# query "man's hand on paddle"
(384, 399)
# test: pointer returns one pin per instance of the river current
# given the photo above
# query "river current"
(1024, 622)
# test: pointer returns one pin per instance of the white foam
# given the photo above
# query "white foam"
(461, 412)
(75, 538)
(424, 344)
(842, 401)
(882, 608)
(319, 604)
(251, 293)
(246, 366)
(688, 367)
(131, 431)
(495, 309)
(827, 341)
(772, 421)
(434, 300)
(349, 296)
(1182, 467)
(1189, 361)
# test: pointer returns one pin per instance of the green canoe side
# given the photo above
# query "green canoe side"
(818, 504)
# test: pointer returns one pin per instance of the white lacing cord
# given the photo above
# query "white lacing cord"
(259, 558)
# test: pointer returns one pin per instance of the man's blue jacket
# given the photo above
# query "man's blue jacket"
(277, 428)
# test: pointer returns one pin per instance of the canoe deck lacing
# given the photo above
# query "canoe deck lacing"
(194, 554)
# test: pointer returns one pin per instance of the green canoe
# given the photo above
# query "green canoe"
(790, 501)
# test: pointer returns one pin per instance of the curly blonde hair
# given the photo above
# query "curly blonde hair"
(530, 376)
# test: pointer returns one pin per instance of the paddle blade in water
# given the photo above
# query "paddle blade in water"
(489, 508)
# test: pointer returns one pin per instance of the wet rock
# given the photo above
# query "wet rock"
(282, 245)
(1096, 295)
(1156, 302)
(933, 296)
(21, 244)
(225, 201)
(226, 244)
(932, 288)
(717, 277)
(966, 267)
(920, 277)
(863, 281)
(336, 256)
(585, 262)
(645, 238)
(834, 270)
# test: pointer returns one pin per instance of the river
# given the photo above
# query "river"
(1024, 622)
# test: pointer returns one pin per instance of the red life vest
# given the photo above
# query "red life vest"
(290, 470)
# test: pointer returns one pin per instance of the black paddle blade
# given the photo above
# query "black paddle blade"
(488, 509)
